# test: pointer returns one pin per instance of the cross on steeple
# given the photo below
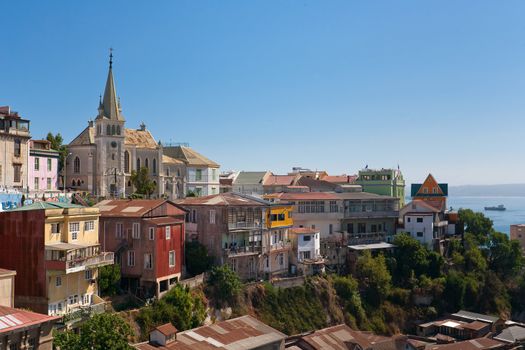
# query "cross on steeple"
(110, 57)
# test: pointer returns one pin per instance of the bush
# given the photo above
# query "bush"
(109, 279)
(223, 285)
(197, 258)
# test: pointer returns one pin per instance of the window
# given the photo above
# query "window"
(37, 163)
(330, 228)
(48, 183)
(168, 232)
(306, 255)
(55, 228)
(74, 227)
(14, 346)
(74, 236)
(361, 227)
(151, 233)
(146, 163)
(138, 164)
(118, 129)
(313, 227)
(212, 216)
(420, 234)
(419, 219)
(281, 259)
(86, 299)
(136, 230)
(408, 219)
(108, 130)
(333, 207)
(198, 175)
(49, 164)
(350, 228)
(126, 162)
(88, 274)
(113, 130)
(307, 238)
(17, 169)
(172, 258)
(118, 230)
(154, 165)
(58, 281)
(167, 171)
(37, 183)
(131, 258)
(148, 261)
(425, 190)
(89, 226)
(214, 174)
(76, 165)
(18, 145)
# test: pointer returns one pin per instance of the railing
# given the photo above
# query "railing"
(80, 264)
(244, 225)
(371, 214)
(84, 312)
(281, 245)
(242, 250)
(367, 238)
(203, 178)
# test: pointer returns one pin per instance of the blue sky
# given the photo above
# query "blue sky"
(434, 86)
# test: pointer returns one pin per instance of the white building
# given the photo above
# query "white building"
(202, 174)
(306, 252)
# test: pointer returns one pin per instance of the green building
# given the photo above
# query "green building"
(386, 182)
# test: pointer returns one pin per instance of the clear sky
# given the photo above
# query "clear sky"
(434, 86)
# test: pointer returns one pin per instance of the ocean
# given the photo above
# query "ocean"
(515, 213)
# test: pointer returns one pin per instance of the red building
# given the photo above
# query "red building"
(147, 237)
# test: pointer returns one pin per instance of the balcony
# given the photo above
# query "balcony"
(244, 225)
(72, 258)
(371, 214)
(242, 251)
(281, 246)
(366, 238)
(84, 312)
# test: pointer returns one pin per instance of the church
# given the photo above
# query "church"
(101, 158)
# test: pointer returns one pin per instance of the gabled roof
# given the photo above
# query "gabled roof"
(12, 319)
(140, 139)
(512, 334)
(169, 160)
(472, 344)
(133, 207)
(85, 138)
(416, 190)
(314, 184)
(250, 177)
(224, 199)
(418, 204)
(166, 329)
(279, 180)
(189, 156)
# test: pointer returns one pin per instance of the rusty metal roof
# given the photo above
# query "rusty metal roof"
(132, 207)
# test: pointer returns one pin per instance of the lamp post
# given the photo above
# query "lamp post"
(65, 173)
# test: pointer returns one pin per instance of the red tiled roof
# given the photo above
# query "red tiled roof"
(306, 196)
(12, 319)
(167, 329)
(279, 180)
(132, 208)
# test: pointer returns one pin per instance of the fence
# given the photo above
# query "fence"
(193, 281)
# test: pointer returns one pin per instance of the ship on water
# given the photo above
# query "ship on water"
(500, 207)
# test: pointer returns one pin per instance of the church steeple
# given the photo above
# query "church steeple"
(110, 105)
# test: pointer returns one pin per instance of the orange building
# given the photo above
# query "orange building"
(432, 192)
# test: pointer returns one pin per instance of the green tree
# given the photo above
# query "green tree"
(505, 255)
(142, 182)
(224, 284)
(57, 143)
(348, 291)
(180, 306)
(100, 332)
(374, 277)
(197, 258)
(477, 224)
(109, 279)
(454, 292)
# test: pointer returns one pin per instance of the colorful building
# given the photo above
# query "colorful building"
(431, 191)
(147, 237)
(245, 232)
(306, 257)
(14, 150)
(386, 182)
(55, 251)
(43, 168)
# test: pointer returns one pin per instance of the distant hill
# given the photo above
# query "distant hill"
(507, 190)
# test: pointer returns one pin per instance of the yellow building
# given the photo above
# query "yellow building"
(71, 256)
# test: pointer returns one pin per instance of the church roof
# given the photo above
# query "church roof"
(169, 160)
(189, 156)
(85, 138)
(140, 138)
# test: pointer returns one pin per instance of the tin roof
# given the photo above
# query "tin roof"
(46, 205)
(225, 199)
(131, 207)
(472, 344)
(12, 319)
(167, 329)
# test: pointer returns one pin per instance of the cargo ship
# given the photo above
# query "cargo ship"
(500, 207)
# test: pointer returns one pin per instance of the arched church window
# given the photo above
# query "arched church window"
(138, 164)
(154, 166)
(167, 171)
(113, 130)
(118, 129)
(146, 163)
(108, 130)
(126, 162)
(73, 183)
(129, 183)
(98, 129)
(76, 165)
(113, 156)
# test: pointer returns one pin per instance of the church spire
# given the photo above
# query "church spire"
(110, 105)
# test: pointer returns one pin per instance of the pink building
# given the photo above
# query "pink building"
(42, 167)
